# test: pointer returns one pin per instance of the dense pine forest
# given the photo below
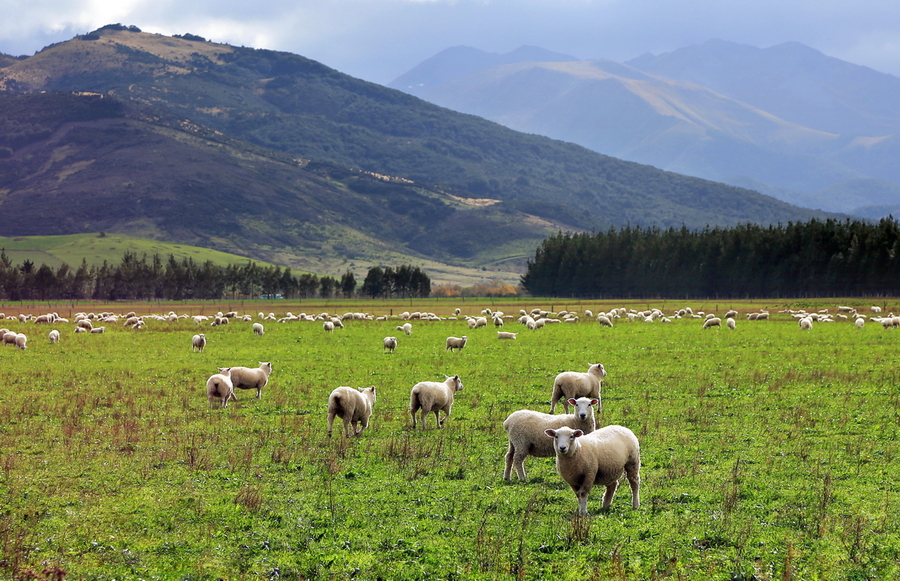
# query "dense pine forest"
(829, 258)
(140, 278)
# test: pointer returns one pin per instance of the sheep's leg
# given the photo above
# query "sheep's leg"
(509, 461)
(565, 402)
(610, 492)
(632, 472)
(437, 418)
(363, 424)
(259, 393)
(519, 463)
(348, 427)
(554, 398)
(330, 423)
(582, 495)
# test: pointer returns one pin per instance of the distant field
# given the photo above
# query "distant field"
(70, 249)
(768, 452)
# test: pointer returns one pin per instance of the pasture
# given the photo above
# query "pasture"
(768, 452)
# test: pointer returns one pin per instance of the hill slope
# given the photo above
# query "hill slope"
(212, 145)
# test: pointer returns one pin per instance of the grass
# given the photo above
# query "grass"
(768, 453)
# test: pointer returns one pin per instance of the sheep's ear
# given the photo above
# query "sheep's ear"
(550, 432)
(571, 401)
(577, 434)
(595, 401)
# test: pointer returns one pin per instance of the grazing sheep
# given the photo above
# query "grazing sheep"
(258, 329)
(456, 343)
(806, 323)
(860, 323)
(604, 321)
(729, 322)
(132, 321)
(97, 330)
(247, 378)
(731, 314)
(54, 336)
(389, 343)
(9, 338)
(480, 322)
(85, 324)
(525, 430)
(574, 384)
(352, 406)
(219, 390)
(198, 343)
(506, 335)
(433, 396)
(328, 326)
(713, 322)
(598, 458)
(21, 341)
(81, 330)
(406, 328)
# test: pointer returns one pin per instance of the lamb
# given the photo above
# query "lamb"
(525, 429)
(54, 336)
(433, 396)
(406, 328)
(456, 343)
(198, 343)
(246, 378)
(21, 341)
(258, 329)
(506, 335)
(712, 322)
(597, 458)
(389, 343)
(573, 384)
(352, 406)
(219, 390)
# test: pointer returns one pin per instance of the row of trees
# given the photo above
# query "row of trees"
(809, 259)
(140, 278)
(403, 282)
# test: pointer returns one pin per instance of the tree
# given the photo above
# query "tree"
(348, 284)
(373, 285)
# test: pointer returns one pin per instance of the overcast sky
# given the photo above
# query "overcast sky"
(378, 40)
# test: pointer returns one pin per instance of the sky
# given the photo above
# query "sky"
(378, 40)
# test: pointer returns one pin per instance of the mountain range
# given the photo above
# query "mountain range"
(274, 156)
(787, 120)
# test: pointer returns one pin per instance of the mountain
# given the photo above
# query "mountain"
(277, 157)
(788, 117)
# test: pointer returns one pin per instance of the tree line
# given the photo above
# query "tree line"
(818, 258)
(155, 278)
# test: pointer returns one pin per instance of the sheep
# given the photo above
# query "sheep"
(85, 324)
(480, 322)
(246, 378)
(389, 343)
(574, 384)
(198, 343)
(433, 396)
(54, 336)
(328, 326)
(131, 321)
(525, 430)
(97, 330)
(21, 341)
(730, 323)
(219, 389)
(506, 335)
(406, 328)
(713, 322)
(604, 321)
(456, 343)
(258, 329)
(352, 406)
(806, 323)
(81, 330)
(9, 338)
(598, 458)
(860, 323)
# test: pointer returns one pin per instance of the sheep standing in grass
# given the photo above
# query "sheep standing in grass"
(433, 396)
(247, 378)
(219, 390)
(806, 323)
(353, 406)
(456, 343)
(598, 458)
(525, 430)
(198, 343)
(21, 341)
(712, 322)
(328, 326)
(258, 329)
(574, 384)
(54, 336)
(389, 343)
(9, 338)
(860, 323)
(729, 322)
(406, 328)
(506, 335)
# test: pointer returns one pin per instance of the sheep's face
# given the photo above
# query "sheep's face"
(598, 369)
(583, 407)
(564, 439)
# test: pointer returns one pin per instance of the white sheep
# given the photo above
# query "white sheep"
(54, 336)
(860, 323)
(328, 326)
(456, 343)
(21, 341)
(506, 335)
(406, 328)
(574, 384)
(604, 320)
(600, 457)
(258, 329)
(389, 343)
(219, 389)
(97, 330)
(433, 396)
(352, 406)
(247, 378)
(198, 343)
(712, 322)
(9, 338)
(806, 323)
(525, 430)
(730, 323)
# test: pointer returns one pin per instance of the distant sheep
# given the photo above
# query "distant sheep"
(860, 323)
(456, 343)
(328, 326)
(198, 343)
(806, 323)
(600, 457)
(604, 320)
(574, 384)
(247, 378)
(353, 406)
(433, 397)
(97, 330)
(219, 390)
(9, 338)
(21, 341)
(406, 328)
(713, 322)
(54, 336)
(389, 343)
(258, 329)
(506, 335)
(525, 430)
(730, 323)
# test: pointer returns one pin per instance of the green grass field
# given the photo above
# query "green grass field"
(768, 452)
